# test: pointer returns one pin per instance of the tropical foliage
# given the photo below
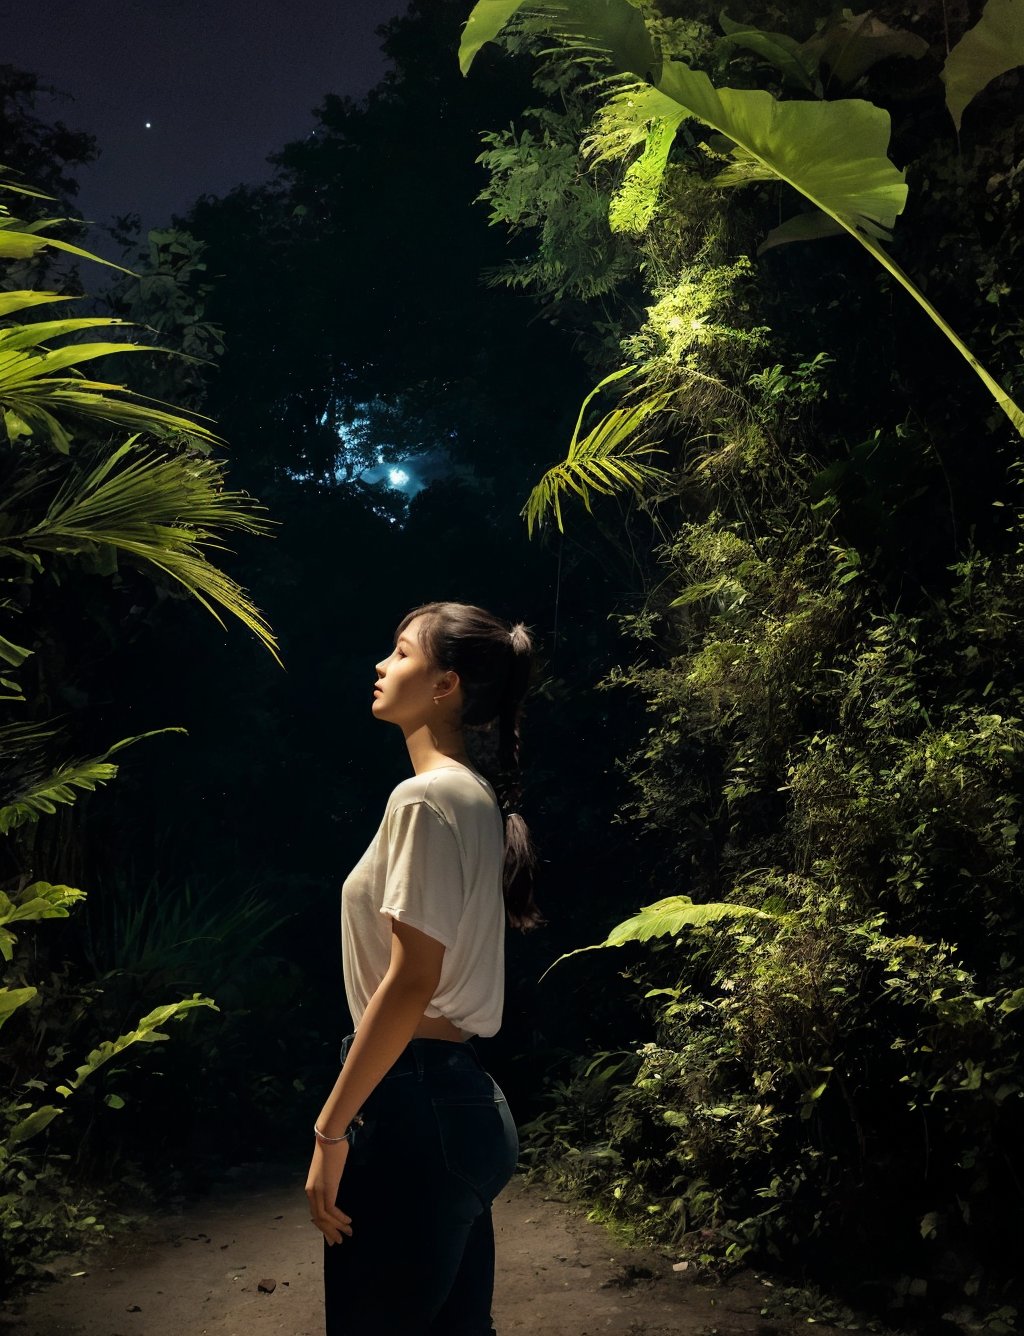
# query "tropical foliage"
(825, 621)
(75, 501)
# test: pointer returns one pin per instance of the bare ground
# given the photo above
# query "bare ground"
(245, 1261)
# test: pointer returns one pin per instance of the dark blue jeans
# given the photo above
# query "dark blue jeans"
(436, 1146)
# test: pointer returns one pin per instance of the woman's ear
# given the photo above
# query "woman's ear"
(447, 684)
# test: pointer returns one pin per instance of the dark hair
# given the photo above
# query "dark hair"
(494, 662)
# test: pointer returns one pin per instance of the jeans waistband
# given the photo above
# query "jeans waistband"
(427, 1055)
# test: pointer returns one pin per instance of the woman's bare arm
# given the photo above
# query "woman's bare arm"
(387, 1025)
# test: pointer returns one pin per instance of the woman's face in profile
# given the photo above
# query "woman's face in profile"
(406, 681)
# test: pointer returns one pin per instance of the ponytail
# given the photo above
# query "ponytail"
(520, 864)
(494, 662)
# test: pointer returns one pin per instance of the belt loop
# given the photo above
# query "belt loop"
(418, 1055)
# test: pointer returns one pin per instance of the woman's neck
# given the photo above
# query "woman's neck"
(428, 750)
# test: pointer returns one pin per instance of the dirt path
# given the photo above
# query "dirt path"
(246, 1262)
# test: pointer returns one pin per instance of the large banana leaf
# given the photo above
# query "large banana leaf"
(994, 45)
(834, 154)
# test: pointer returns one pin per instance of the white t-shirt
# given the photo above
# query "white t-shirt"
(435, 863)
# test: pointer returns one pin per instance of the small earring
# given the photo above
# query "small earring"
(437, 700)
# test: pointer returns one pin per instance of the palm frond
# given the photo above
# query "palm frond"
(607, 460)
(164, 511)
(25, 298)
(36, 400)
(20, 240)
(91, 399)
(65, 785)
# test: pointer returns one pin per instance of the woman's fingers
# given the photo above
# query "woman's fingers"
(331, 1221)
(334, 1226)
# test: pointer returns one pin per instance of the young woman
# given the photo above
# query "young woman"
(416, 1140)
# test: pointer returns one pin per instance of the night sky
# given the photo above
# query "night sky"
(222, 83)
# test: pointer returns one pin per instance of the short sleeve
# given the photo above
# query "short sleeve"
(423, 886)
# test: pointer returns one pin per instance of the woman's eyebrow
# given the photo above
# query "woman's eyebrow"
(403, 640)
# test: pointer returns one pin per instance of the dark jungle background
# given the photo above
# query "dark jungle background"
(782, 677)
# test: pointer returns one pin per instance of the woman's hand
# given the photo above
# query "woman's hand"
(322, 1182)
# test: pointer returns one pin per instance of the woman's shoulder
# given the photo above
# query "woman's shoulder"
(453, 791)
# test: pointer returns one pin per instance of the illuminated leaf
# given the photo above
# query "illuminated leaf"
(994, 45)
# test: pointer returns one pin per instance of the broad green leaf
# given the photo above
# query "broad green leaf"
(777, 48)
(13, 654)
(994, 45)
(852, 43)
(802, 227)
(614, 28)
(40, 900)
(12, 998)
(32, 1125)
(487, 20)
(834, 153)
(667, 918)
